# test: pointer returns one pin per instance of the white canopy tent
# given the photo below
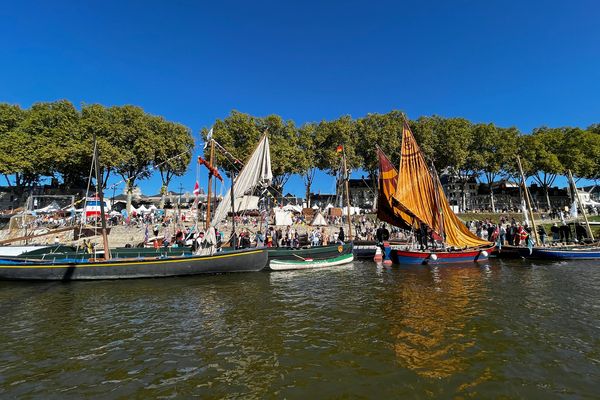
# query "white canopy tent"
(319, 220)
(282, 217)
(353, 210)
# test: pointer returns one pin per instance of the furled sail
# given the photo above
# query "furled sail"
(423, 198)
(256, 172)
(386, 210)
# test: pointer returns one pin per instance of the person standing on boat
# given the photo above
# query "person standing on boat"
(341, 235)
(555, 232)
(542, 234)
(203, 245)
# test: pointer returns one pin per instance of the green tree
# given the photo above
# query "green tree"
(173, 150)
(52, 130)
(16, 156)
(308, 144)
(99, 121)
(493, 151)
(453, 151)
(239, 133)
(137, 142)
(540, 154)
(383, 130)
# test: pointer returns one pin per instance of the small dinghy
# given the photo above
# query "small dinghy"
(309, 263)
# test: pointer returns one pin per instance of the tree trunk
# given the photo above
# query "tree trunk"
(464, 197)
(547, 197)
(308, 186)
(492, 199)
(129, 197)
(163, 191)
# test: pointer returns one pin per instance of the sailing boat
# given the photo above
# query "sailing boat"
(257, 173)
(412, 198)
(553, 253)
(121, 268)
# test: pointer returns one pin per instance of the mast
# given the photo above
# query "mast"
(436, 186)
(347, 193)
(210, 176)
(107, 254)
(233, 236)
(587, 222)
(527, 201)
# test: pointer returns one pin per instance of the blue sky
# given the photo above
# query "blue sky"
(525, 63)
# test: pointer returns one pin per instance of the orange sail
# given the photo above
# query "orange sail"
(422, 197)
(388, 179)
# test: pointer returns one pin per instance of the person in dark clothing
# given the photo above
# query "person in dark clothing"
(382, 234)
(542, 234)
(341, 236)
(423, 236)
(565, 233)
(580, 232)
(555, 232)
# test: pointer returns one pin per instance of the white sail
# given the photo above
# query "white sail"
(256, 172)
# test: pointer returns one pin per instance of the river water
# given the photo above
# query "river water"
(504, 329)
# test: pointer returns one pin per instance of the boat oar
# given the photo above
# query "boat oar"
(302, 258)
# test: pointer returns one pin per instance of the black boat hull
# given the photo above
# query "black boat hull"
(224, 262)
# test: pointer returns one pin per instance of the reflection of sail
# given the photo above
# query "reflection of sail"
(430, 314)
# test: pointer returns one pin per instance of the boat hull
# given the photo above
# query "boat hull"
(366, 249)
(316, 253)
(234, 261)
(439, 257)
(549, 253)
(283, 265)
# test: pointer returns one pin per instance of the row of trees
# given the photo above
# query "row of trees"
(54, 139)
(484, 151)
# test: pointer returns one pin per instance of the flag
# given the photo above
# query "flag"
(196, 189)
(208, 137)
(339, 149)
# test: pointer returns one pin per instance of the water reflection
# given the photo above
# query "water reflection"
(430, 311)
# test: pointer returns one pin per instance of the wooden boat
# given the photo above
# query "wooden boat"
(315, 253)
(366, 249)
(441, 257)
(308, 263)
(148, 267)
(412, 198)
(558, 253)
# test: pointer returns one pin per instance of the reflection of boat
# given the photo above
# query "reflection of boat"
(309, 263)
(412, 198)
(430, 312)
(88, 269)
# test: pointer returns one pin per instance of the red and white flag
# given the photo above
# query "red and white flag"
(196, 189)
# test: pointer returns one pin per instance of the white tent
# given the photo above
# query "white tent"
(329, 206)
(143, 210)
(353, 210)
(319, 220)
(152, 208)
(282, 217)
(315, 207)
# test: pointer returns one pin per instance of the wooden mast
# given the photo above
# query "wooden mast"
(587, 222)
(107, 254)
(527, 201)
(346, 177)
(210, 177)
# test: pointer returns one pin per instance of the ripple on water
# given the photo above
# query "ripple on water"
(505, 328)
